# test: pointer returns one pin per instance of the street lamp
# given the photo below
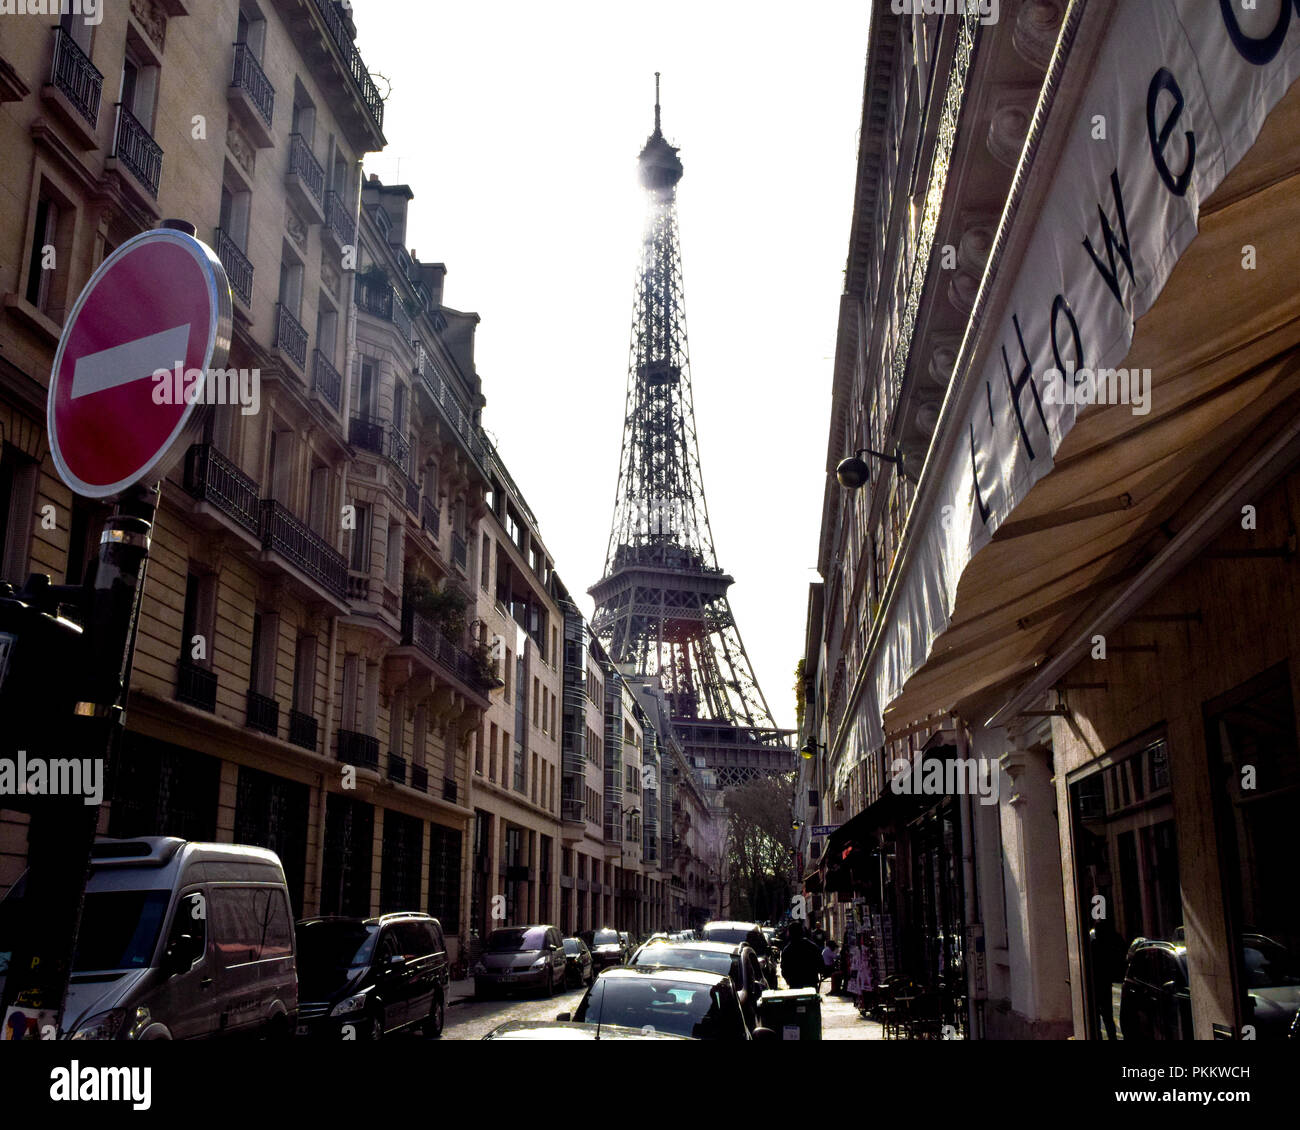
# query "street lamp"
(853, 472)
(811, 748)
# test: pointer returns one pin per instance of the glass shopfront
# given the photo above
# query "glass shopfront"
(1129, 901)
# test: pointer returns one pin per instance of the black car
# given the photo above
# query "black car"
(681, 1002)
(1156, 1004)
(607, 948)
(517, 957)
(579, 969)
(568, 1030)
(751, 933)
(738, 961)
(363, 978)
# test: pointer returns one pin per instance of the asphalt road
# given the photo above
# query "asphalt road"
(472, 1019)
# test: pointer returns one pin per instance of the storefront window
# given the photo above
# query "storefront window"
(1130, 907)
(1255, 766)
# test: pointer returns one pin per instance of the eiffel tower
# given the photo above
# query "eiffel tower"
(661, 606)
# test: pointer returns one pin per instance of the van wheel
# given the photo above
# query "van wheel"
(437, 1017)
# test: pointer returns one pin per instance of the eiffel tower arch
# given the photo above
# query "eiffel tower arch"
(661, 605)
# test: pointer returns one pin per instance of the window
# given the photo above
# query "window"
(351, 689)
(399, 407)
(492, 753)
(536, 698)
(249, 924)
(397, 724)
(290, 294)
(44, 235)
(485, 564)
(19, 477)
(279, 463)
(444, 877)
(79, 28)
(199, 618)
(251, 29)
(327, 328)
(521, 725)
(360, 557)
(421, 733)
(139, 90)
(236, 204)
(534, 779)
(318, 497)
(304, 115)
(393, 561)
(261, 669)
(366, 389)
(304, 675)
(478, 752)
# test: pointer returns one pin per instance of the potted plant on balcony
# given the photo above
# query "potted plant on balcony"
(485, 666)
(444, 606)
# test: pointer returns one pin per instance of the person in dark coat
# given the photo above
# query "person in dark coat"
(801, 960)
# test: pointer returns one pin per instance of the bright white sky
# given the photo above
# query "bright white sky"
(517, 126)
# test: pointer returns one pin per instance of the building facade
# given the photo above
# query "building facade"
(1035, 714)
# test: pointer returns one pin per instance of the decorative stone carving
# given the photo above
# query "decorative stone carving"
(153, 19)
(1038, 23)
(942, 359)
(962, 289)
(329, 275)
(976, 242)
(296, 226)
(1009, 126)
(241, 148)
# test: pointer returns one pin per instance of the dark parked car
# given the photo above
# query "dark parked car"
(607, 948)
(751, 933)
(683, 1002)
(739, 962)
(362, 978)
(570, 1030)
(521, 957)
(579, 969)
(1155, 1003)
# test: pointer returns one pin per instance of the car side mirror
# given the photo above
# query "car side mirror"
(761, 1033)
(397, 961)
(564, 1017)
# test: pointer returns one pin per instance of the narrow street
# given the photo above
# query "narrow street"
(472, 1019)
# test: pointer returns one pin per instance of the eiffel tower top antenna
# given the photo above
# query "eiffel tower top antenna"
(657, 129)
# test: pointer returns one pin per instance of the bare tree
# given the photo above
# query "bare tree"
(758, 847)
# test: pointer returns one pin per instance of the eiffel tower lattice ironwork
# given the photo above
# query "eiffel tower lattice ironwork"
(661, 606)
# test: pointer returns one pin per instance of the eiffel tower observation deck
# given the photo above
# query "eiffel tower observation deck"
(661, 606)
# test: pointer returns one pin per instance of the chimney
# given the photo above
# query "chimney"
(432, 275)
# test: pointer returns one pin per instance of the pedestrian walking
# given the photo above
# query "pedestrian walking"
(801, 962)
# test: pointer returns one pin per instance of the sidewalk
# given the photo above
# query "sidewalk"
(840, 1020)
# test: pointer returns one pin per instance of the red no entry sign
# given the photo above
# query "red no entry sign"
(159, 301)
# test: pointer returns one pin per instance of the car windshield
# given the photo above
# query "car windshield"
(573, 946)
(119, 929)
(330, 954)
(679, 1008)
(732, 934)
(606, 938)
(516, 939)
(684, 957)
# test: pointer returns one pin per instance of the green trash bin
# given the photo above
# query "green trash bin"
(793, 1014)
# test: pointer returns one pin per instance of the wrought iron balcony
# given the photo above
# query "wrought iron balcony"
(329, 12)
(238, 268)
(402, 317)
(375, 299)
(136, 149)
(358, 749)
(211, 477)
(302, 729)
(420, 631)
(290, 337)
(263, 713)
(304, 548)
(420, 778)
(399, 450)
(430, 517)
(339, 220)
(449, 790)
(367, 433)
(303, 164)
(459, 550)
(457, 417)
(196, 685)
(412, 497)
(249, 77)
(397, 768)
(326, 380)
(76, 77)
(573, 811)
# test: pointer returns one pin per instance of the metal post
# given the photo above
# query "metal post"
(62, 829)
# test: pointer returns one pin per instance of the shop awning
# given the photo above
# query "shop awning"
(1031, 514)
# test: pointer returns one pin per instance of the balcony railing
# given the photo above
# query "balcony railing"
(459, 550)
(402, 318)
(303, 163)
(302, 729)
(303, 547)
(249, 77)
(412, 497)
(419, 631)
(420, 778)
(290, 335)
(326, 379)
(366, 433)
(263, 713)
(329, 12)
(456, 416)
(339, 219)
(239, 270)
(430, 517)
(358, 749)
(375, 300)
(399, 450)
(137, 150)
(397, 768)
(213, 478)
(573, 811)
(75, 75)
(196, 685)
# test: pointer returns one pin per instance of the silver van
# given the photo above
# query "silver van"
(178, 940)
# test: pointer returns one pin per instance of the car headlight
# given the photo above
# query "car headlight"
(543, 960)
(355, 1003)
(102, 1026)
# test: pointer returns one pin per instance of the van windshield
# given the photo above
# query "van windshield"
(119, 929)
(330, 954)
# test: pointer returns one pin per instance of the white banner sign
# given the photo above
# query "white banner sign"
(1181, 89)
